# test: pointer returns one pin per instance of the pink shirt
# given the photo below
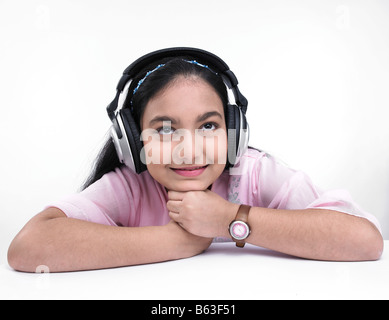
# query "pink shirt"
(124, 198)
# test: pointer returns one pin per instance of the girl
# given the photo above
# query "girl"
(185, 193)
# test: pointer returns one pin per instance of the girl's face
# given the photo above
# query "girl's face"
(184, 135)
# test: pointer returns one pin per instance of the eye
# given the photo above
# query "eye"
(166, 130)
(209, 126)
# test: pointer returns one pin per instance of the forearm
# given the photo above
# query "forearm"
(89, 246)
(315, 234)
(64, 244)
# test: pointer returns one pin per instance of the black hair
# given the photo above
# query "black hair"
(107, 159)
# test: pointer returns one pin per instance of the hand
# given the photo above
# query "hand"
(202, 213)
(188, 244)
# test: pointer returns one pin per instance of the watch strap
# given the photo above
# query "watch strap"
(243, 213)
(240, 243)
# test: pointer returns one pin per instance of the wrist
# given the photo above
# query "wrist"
(184, 244)
(230, 214)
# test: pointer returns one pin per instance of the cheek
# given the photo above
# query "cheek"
(215, 148)
(156, 151)
(155, 171)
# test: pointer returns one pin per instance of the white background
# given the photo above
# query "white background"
(316, 74)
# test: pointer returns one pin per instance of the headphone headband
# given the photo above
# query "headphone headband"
(149, 58)
(217, 64)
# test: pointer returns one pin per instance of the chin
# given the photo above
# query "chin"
(189, 185)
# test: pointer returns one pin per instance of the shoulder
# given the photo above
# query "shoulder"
(253, 155)
(254, 162)
(132, 185)
(257, 178)
(127, 176)
(120, 197)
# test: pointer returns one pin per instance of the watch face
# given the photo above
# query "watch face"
(239, 230)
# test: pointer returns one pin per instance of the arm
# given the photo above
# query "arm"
(65, 244)
(310, 233)
(315, 234)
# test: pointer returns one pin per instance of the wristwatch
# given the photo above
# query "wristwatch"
(239, 228)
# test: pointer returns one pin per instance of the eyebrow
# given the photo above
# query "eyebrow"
(207, 115)
(162, 119)
(200, 118)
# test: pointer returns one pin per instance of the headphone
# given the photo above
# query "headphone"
(125, 131)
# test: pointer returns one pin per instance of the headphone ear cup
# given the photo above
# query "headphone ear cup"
(238, 134)
(135, 145)
(244, 134)
(233, 134)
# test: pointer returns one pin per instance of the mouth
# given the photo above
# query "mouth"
(190, 171)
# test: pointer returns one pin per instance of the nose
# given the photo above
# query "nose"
(188, 148)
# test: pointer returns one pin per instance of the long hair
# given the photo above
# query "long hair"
(107, 159)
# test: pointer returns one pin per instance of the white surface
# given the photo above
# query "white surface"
(214, 274)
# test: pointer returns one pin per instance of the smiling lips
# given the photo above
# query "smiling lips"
(190, 171)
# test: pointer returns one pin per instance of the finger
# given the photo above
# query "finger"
(173, 205)
(176, 195)
(175, 217)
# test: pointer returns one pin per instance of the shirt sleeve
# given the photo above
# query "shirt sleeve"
(284, 188)
(109, 201)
